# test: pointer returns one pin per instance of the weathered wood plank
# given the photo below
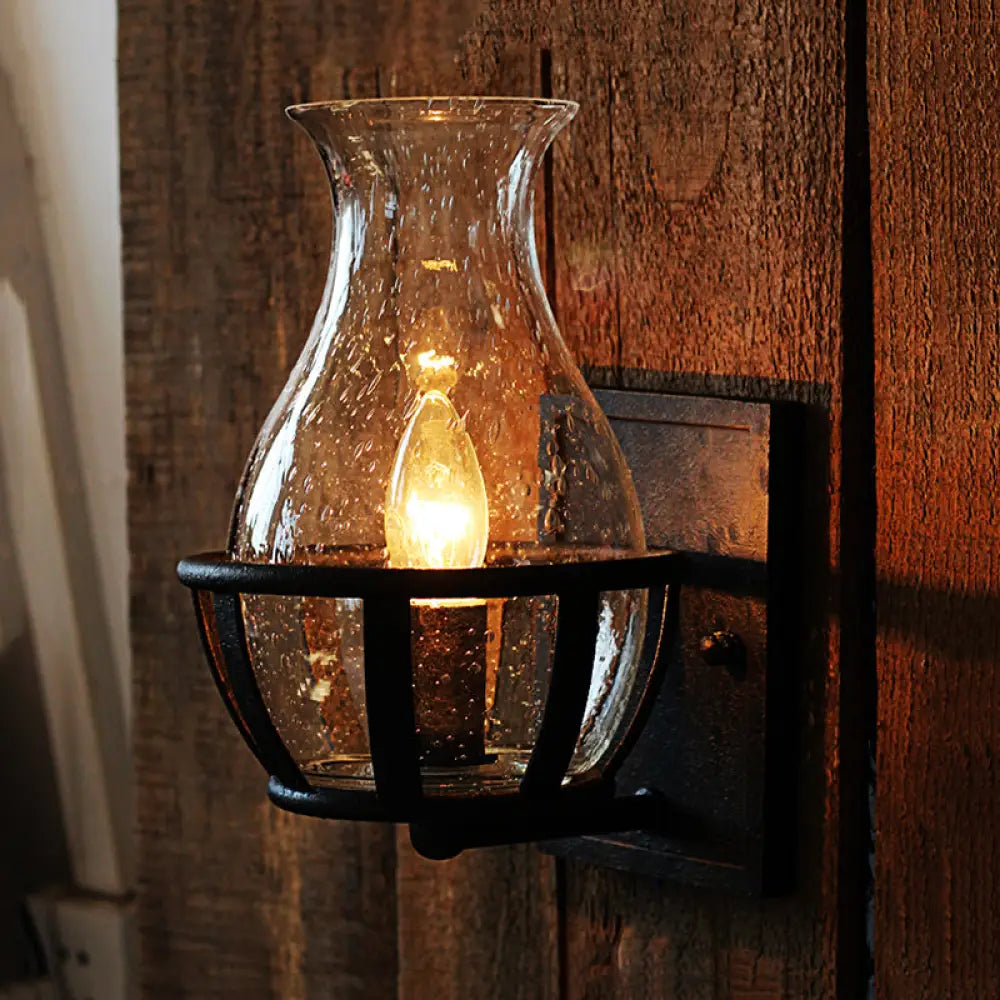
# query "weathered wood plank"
(225, 222)
(484, 924)
(704, 255)
(934, 91)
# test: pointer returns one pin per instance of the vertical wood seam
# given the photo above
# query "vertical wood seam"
(858, 676)
(613, 194)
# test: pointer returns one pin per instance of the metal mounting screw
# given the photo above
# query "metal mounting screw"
(724, 649)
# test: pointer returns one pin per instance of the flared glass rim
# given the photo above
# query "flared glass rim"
(440, 109)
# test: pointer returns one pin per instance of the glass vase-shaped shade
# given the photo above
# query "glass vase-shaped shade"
(435, 419)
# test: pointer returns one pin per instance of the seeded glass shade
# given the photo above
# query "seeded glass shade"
(435, 420)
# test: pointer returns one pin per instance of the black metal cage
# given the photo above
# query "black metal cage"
(544, 805)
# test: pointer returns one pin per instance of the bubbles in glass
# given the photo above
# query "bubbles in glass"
(435, 419)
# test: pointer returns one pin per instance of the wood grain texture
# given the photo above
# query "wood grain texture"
(693, 244)
(704, 255)
(933, 89)
(225, 225)
(482, 925)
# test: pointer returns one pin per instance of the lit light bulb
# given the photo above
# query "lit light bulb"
(436, 513)
(437, 517)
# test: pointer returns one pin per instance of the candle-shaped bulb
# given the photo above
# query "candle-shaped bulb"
(436, 513)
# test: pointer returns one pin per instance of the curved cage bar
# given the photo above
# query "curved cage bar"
(247, 701)
(392, 725)
(544, 803)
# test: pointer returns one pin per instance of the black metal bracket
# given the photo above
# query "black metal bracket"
(716, 479)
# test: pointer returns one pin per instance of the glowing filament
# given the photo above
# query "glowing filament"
(434, 362)
(436, 513)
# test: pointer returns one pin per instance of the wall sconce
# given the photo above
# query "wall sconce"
(437, 606)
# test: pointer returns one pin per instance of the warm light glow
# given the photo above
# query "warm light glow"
(436, 513)
(432, 361)
(438, 264)
(442, 527)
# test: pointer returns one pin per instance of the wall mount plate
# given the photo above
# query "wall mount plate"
(711, 478)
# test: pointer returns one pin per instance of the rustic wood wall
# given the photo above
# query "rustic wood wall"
(694, 236)
(224, 225)
(936, 218)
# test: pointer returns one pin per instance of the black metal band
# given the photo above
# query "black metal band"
(204, 608)
(392, 729)
(270, 750)
(217, 572)
(572, 668)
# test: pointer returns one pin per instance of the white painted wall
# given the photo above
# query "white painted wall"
(58, 58)
(83, 779)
